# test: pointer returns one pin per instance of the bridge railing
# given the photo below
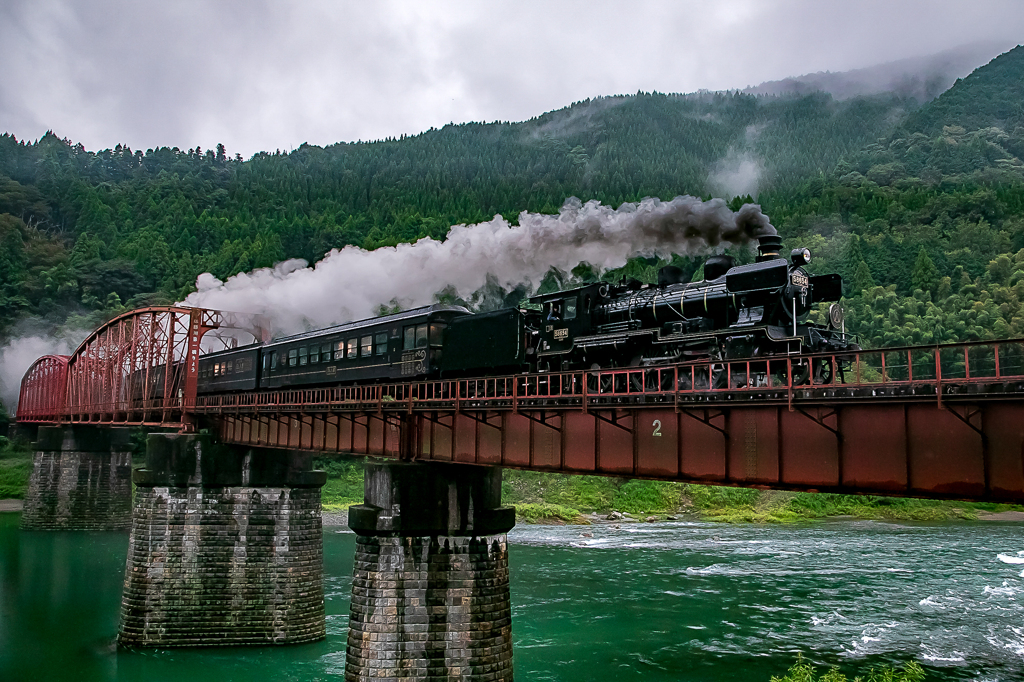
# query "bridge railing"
(978, 367)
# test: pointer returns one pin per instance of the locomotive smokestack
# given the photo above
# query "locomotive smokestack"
(768, 247)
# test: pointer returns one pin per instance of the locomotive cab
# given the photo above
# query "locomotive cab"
(564, 316)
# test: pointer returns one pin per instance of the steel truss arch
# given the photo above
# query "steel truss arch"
(43, 390)
(141, 367)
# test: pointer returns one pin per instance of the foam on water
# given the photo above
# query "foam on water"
(839, 591)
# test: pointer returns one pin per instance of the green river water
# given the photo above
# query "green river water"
(673, 601)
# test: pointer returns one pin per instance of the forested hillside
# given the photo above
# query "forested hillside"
(97, 229)
(920, 207)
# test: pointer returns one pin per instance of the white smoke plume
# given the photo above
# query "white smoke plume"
(18, 354)
(352, 283)
(737, 174)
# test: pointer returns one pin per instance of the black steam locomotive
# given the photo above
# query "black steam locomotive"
(746, 311)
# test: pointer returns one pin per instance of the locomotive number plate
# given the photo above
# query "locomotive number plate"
(561, 334)
(799, 279)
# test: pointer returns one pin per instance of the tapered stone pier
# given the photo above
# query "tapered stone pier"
(430, 592)
(81, 480)
(226, 547)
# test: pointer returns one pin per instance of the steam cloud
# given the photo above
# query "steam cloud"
(736, 175)
(353, 283)
(18, 354)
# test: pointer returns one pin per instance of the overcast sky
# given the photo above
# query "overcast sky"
(267, 75)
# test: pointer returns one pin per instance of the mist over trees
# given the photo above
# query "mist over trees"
(919, 207)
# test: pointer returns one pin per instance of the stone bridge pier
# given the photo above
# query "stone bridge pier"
(226, 547)
(430, 592)
(81, 480)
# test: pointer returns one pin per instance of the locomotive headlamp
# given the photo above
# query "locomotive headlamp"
(800, 257)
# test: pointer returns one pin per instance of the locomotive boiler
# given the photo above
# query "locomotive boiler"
(737, 311)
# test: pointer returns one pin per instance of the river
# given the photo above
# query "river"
(668, 601)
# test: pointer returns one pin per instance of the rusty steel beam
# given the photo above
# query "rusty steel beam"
(937, 422)
(965, 451)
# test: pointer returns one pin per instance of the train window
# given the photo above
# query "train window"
(339, 350)
(266, 361)
(216, 370)
(325, 353)
(353, 347)
(436, 333)
(410, 338)
(382, 343)
(421, 336)
(273, 360)
(230, 367)
(303, 353)
(570, 308)
(553, 310)
(366, 346)
(314, 355)
(293, 357)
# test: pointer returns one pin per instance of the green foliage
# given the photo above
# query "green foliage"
(15, 469)
(588, 493)
(719, 503)
(739, 505)
(344, 485)
(641, 497)
(802, 671)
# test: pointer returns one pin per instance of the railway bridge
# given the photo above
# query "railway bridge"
(226, 542)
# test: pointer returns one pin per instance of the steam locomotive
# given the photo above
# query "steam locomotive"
(738, 311)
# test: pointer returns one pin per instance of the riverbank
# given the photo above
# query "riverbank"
(558, 498)
(583, 500)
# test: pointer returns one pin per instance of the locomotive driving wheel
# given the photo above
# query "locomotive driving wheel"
(802, 371)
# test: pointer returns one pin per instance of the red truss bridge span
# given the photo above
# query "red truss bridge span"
(938, 421)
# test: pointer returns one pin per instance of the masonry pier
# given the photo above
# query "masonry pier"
(430, 591)
(226, 547)
(81, 480)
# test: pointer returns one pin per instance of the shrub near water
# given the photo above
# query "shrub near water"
(802, 671)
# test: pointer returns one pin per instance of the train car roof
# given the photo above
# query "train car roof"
(555, 295)
(228, 351)
(372, 321)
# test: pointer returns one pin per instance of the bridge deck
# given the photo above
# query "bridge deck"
(944, 421)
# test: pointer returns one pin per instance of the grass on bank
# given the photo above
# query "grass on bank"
(15, 468)
(528, 491)
(802, 671)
